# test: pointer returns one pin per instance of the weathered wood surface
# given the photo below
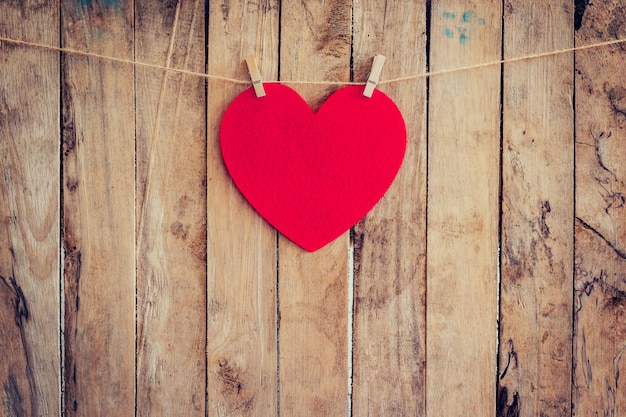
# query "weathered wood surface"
(115, 170)
(313, 287)
(600, 253)
(537, 212)
(170, 209)
(389, 344)
(241, 254)
(463, 172)
(98, 204)
(30, 367)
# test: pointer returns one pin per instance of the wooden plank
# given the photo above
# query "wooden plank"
(171, 209)
(463, 172)
(30, 368)
(241, 283)
(389, 345)
(313, 287)
(600, 235)
(537, 212)
(99, 209)
(600, 326)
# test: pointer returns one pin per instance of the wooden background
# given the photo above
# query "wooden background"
(489, 281)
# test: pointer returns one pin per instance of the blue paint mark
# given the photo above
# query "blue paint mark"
(463, 35)
(115, 4)
(465, 25)
(469, 15)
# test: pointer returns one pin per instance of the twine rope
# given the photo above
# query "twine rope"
(77, 52)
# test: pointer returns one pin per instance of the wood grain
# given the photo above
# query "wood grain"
(30, 383)
(313, 287)
(18, 379)
(389, 344)
(105, 239)
(241, 259)
(463, 172)
(98, 210)
(600, 261)
(171, 209)
(537, 212)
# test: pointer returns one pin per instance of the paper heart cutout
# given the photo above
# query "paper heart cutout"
(312, 175)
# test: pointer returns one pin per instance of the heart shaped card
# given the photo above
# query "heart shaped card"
(312, 175)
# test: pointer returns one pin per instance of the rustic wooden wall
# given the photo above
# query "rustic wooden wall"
(136, 280)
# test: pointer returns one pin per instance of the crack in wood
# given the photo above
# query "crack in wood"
(512, 356)
(611, 407)
(20, 307)
(545, 210)
(71, 276)
(587, 288)
(612, 198)
(22, 315)
(13, 404)
(618, 251)
(586, 364)
(616, 361)
(503, 408)
(579, 11)
(72, 260)
(596, 140)
(615, 96)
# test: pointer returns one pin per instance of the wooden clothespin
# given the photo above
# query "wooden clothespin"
(255, 76)
(372, 79)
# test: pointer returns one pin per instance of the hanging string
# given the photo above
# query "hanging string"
(77, 52)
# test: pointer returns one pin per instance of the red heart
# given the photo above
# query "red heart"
(312, 175)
